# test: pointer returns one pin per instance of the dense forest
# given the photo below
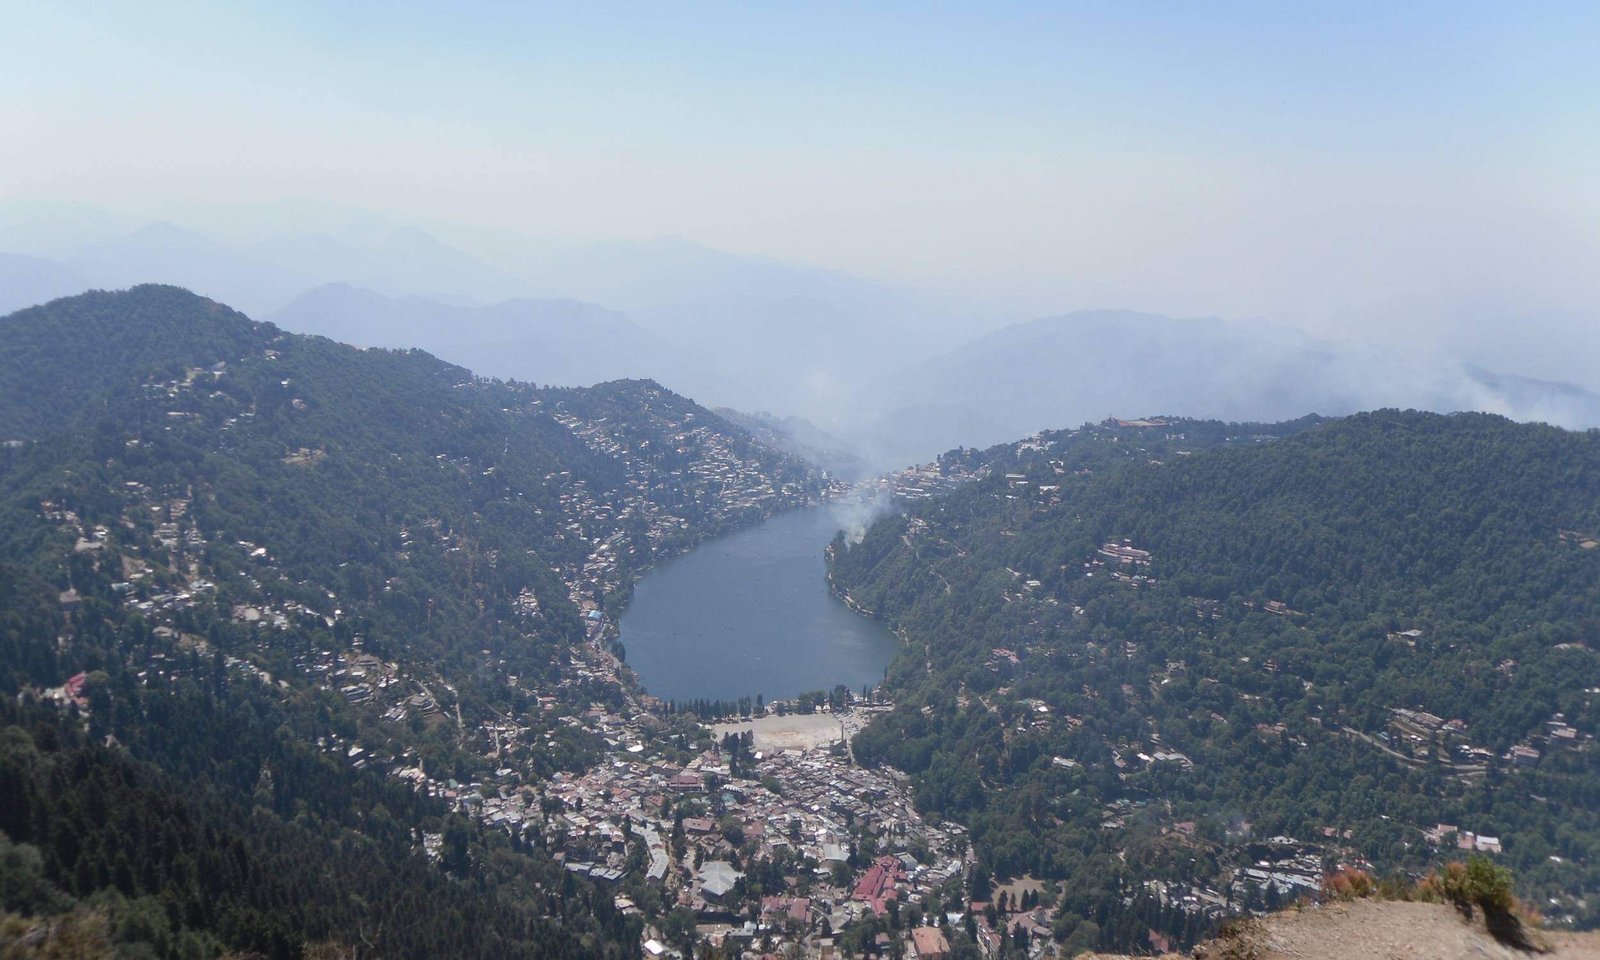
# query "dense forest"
(204, 520)
(1134, 648)
(278, 617)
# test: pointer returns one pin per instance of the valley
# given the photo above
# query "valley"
(1140, 677)
(1011, 481)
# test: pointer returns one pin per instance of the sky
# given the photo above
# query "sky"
(1422, 174)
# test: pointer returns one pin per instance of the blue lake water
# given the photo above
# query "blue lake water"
(750, 613)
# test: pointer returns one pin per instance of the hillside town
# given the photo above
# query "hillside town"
(765, 848)
(761, 836)
(768, 836)
(667, 804)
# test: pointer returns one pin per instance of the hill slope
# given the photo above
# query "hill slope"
(1133, 645)
(290, 632)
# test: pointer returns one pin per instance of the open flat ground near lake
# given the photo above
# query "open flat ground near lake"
(799, 731)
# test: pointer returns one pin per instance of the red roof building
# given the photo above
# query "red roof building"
(880, 883)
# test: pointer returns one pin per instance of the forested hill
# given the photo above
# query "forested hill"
(1139, 643)
(290, 632)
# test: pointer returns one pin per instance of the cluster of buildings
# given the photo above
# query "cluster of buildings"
(850, 843)
(1284, 869)
(1448, 834)
(689, 827)
(1124, 553)
(1557, 735)
(803, 806)
(811, 810)
(923, 481)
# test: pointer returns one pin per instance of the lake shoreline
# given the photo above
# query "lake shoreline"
(753, 612)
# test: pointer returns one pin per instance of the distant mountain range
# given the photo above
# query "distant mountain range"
(803, 439)
(25, 281)
(562, 342)
(1084, 366)
(265, 276)
(746, 331)
(877, 368)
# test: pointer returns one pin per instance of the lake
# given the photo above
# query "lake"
(750, 613)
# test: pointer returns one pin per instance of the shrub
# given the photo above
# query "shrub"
(1489, 886)
(1476, 883)
(1348, 883)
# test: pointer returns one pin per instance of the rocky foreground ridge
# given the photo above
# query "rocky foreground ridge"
(1383, 929)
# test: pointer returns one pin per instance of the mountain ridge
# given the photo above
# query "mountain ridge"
(292, 633)
(1144, 638)
(1076, 367)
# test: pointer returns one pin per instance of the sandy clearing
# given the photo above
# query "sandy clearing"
(794, 732)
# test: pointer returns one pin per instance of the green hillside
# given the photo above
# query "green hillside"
(282, 622)
(1134, 651)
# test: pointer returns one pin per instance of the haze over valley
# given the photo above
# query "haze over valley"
(823, 482)
(895, 376)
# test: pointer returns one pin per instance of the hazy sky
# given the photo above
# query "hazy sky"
(1395, 169)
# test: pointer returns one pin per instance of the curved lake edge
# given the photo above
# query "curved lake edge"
(754, 613)
(614, 605)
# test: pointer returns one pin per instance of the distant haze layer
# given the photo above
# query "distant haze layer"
(857, 374)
